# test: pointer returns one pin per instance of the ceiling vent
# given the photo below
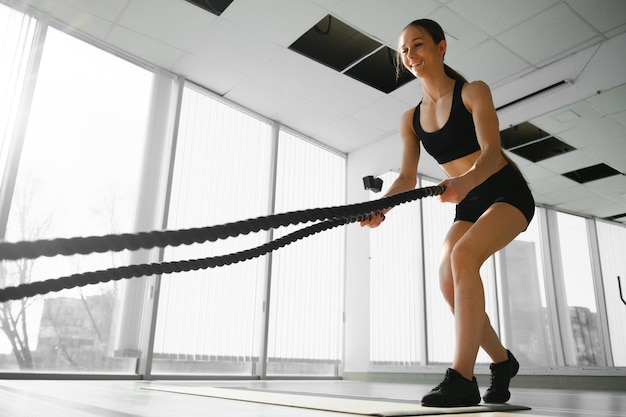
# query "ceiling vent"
(536, 94)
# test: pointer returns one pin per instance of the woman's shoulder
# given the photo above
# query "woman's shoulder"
(475, 92)
(477, 87)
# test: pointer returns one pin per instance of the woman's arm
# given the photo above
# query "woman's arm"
(477, 98)
(408, 169)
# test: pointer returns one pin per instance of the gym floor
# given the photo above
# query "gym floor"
(108, 398)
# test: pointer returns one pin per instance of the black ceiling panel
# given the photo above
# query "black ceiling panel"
(216, 7)
(618, 217)
(591, 173)
(334, 44)
(521, 134)
(544, 149)
(379, 71)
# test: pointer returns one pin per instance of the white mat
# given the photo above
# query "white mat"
(350, 405)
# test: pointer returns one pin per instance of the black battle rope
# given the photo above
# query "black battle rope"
(135, 271)
(161, 239)
(349, 214)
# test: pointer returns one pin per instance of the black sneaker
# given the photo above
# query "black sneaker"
(501, 374)
(454, 391)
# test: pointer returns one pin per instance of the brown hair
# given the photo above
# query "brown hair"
(436, 33)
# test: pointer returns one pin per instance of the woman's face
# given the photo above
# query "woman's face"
(420, 54)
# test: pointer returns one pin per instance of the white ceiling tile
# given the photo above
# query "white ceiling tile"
(592, 202)
(614, 185)
(555, 30)
(489, 61)
(571, 194)
(83, 22)
(612, 101)
(280, 21)
(108, 10)
(619, 163)
(383, 114)
(569, 161)
(161, 19)
(236, 45)
(535, 173)
(620, 118)
(545, 200)
(551, 184)
(343, 94)
(309, 118)
(410, 93)
(583, 136)
(608, 209)
(495, 16)
(377, 19)
(461, 34)
(353, 133)
(144, 47)
(211, 74)
(260, 97)
(554, 124)
(603, 15)
(607, 149)
(326, 4)
(294, 72)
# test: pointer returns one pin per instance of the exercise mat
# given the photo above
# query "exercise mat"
(381, 407)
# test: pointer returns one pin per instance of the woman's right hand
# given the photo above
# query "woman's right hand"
(373, 220)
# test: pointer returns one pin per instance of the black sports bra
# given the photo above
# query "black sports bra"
(456, 139)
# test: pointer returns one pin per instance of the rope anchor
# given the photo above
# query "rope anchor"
(329, 218)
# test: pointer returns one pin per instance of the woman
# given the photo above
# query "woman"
(456, 122)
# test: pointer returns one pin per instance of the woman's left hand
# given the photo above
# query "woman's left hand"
(455, 192)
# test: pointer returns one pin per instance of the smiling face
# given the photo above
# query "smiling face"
(419, 52)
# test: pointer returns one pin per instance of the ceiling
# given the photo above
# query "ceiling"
(517, 47)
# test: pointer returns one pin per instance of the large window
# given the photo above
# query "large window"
(16, 42)
(78, 175)
(306, 301)
(525, 319)
(583, 340)
(396, 285)
(612, 245)
(209, 321)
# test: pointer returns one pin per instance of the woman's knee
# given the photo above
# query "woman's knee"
(464, 260)
(446, 283)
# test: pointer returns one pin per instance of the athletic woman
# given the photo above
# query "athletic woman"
(456, 123)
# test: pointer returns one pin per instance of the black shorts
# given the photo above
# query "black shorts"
(505, 186)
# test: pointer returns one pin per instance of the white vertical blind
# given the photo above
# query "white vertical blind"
(579, 294)
(306, 303)
(440, 321)
(221, 175)
(612, 243)
(523, 305)
(396, 285)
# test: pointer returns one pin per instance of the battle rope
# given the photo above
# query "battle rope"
(337, 216)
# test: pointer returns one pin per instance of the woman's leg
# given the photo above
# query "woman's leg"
(498, 226)
(490, 342)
